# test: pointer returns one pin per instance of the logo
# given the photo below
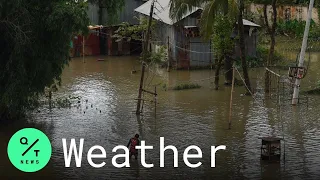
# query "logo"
(29, 150)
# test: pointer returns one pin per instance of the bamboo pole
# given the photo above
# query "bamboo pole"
(155, 101)
(168, 68)
(145, 50)
(231, 96)
(83, 49)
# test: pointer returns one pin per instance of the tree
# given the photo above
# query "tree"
(213, 8)
(134, 32)
(271, 31)
(243, 47)
(35, 41)
(223, 44)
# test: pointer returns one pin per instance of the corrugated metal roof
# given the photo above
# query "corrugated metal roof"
(162, 12)
(249, 23)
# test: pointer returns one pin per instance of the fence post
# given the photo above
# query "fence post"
(231, 96)
(168, 68)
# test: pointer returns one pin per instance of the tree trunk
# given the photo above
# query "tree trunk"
(216, 78)
(228, 70)
(227, 61)
(102, 39)
(243, 48)
(272, 33)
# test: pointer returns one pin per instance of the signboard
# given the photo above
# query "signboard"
(297, 72)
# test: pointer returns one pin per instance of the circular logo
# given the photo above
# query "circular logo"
(29, 150)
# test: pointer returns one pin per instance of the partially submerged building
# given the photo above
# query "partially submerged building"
(100, 40)
(186, 47)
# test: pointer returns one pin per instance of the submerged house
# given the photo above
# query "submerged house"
(100, 40)
(186, 48)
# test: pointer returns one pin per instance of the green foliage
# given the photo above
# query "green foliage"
(284, 2)
(262, 55)
(129, 32)
(318, 84)
(186, 86)
(212, 9)
(313, 91)
(159, 56)
(296, 28)
(133, 32)
(222, 42)
(34, 43)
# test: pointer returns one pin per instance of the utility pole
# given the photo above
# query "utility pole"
(145, 50)
(295, 97)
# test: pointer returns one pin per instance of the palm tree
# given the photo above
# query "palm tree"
(211, 9)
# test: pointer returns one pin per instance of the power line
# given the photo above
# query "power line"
(245, 83)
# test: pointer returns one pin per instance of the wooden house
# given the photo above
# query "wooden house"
(186, 48)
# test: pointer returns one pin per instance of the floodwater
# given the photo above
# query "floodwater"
(199, 117)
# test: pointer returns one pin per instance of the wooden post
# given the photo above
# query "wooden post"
(83, 49)
(155, 100)
(168, 68)
(145, 50)
(269, 84)
(231, 96)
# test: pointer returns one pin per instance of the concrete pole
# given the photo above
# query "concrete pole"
(295, 97)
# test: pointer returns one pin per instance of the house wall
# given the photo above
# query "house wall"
(250, 42)
(126, 15)
(200, 59)
(93, 14)
(287, 12)
(191, 51)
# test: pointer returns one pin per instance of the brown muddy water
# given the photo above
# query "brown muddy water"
(190, 117)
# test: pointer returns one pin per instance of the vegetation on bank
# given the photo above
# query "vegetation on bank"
(186, 86)
(35, 41)
(314, 91)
